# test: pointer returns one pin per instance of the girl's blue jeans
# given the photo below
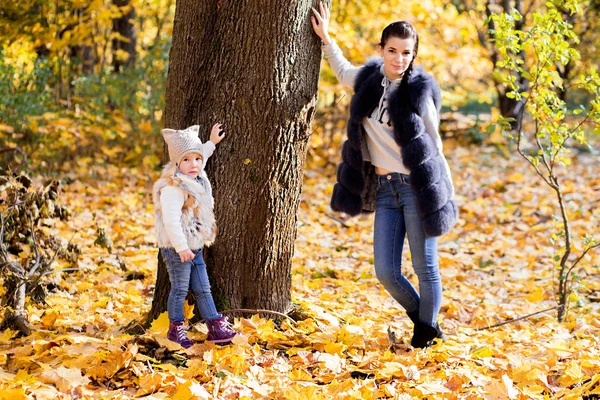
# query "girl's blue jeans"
(397, 216)
(183, 276)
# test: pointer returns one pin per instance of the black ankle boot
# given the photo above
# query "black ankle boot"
(414, 317)
(423, 335)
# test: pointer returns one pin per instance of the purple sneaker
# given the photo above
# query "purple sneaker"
(219, 331)
(177, 334)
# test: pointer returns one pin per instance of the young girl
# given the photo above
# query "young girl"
(393, 163)
(185, 223)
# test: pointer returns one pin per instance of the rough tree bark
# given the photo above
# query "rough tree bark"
(255, 67)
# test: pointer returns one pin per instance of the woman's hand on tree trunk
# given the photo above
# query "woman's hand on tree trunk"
(320, 22)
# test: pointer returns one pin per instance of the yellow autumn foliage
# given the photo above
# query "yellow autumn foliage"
(496, 265)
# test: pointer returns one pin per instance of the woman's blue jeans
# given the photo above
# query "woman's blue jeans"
(183, 276)
(396, 216)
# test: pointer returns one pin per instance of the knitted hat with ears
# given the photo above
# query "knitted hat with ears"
(182, 143)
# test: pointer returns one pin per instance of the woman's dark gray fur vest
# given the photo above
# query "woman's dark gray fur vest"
(356, 188)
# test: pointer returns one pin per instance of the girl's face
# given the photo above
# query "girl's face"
(397, 55)
(191, 165)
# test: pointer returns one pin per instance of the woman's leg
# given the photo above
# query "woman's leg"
(179, 275)
(388, 242)
(424, 256)
(201, 288)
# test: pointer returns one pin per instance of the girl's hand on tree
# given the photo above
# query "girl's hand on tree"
(320, 22)
(186, 255)
(217, 133)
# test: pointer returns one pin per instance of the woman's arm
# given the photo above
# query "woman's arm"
(342, 68)
(344, 71)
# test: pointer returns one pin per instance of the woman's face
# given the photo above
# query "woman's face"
(397, 55)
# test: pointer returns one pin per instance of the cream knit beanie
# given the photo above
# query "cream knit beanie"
(183, 142)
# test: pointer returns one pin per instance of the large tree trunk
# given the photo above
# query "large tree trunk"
(123, 26)
(255, 67)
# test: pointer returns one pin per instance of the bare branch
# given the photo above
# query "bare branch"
(337, 219)
(35, 247)
(587, 250)
(257, 311)
(3, 251)
(558, 149)
(510, 321)
(15, 267)
(544, 159)
(548, 179)
(52, 260)
(51, 271)
(529, 159)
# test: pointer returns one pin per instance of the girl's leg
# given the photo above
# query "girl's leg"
(424, 256)
(201, 288)
(179, 275)
(219, 329)
(388, 242)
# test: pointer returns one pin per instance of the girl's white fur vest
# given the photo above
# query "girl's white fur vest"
(197, 216)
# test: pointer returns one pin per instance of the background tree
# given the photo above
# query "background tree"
(482, 10)
(58, 79)
(255, 67)
(556, 128)
(124, 37)
(585, 26)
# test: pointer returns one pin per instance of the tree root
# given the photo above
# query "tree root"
(17, 322)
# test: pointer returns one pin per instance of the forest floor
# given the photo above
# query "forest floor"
(497, 264)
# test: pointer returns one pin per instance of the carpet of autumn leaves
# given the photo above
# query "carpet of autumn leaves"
(496, 265)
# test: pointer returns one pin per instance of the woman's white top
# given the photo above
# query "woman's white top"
(381, 148)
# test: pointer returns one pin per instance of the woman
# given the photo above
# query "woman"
(393, 160)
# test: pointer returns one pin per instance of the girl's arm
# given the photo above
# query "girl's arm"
(217, 133)
(208, 149)
(344, 71)
(431, 120)
(171, 203)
